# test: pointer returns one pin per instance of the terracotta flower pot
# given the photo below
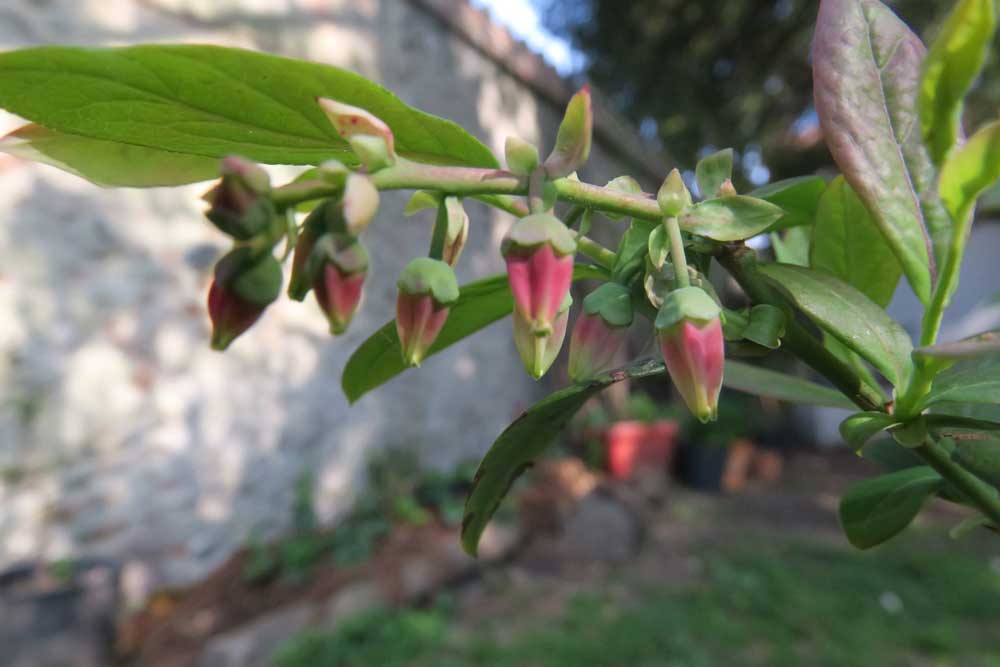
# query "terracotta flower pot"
(630, 444)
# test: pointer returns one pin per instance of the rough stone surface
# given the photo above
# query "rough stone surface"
(121, 433)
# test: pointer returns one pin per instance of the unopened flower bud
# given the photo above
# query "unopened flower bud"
(342, 265)
(240, 204)
(360, 203)
(539, 252)
(673, 196)
(539, 352)
(245, 283)
(727, 189)
(600, 331)
(369, 137)
(574, 137)
(456, 231)
(522, 157)
(427, 288)
(690, 336)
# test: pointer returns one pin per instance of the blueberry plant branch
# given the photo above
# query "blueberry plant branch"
(901, 202)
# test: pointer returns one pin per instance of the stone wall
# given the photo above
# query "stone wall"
(121, 433)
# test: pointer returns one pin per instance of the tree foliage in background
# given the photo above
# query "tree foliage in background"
(723, 72)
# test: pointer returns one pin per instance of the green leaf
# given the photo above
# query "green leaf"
(712, 171)
(866, 77)
(861, 427)
(975, 385)
(952, 65)
(524, 440)
(730, 218)
(849, 357)
(632, 249)
(848, 244)
(875, 510)
(849, 316)
(798, 197)
(108, 163)
(791, 246)
(968, 172)
(480, 303)
(779, 386)
(214, 101)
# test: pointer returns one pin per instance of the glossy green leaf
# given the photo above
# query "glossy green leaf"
(848, 244)
(780, 386)
(730, 218)
(792, 246)
(861, 427)
(712, 171)
(214, 101)
(632, 249)
(875, 510)
(952, 65)
(480, 303)
(851, 358)
(524, 440)
(969, 171)
(108, 163)
(798, 197)
(866, 77)
(848, 315)
(974, 385)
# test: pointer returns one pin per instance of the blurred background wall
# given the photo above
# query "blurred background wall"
(121, 433)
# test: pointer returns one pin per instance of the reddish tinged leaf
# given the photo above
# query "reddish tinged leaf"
(866, 77)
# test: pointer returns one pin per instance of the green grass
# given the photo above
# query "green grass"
(775, 605)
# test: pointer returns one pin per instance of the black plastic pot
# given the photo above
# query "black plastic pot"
(701, 466)
(68, 621)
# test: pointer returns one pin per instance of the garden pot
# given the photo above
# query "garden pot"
(631, 444)
(714, 468)
(58, 619)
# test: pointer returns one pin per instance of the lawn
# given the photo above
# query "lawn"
(920, 602)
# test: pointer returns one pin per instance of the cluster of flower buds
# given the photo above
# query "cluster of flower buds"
(427, 289)
(600, 331)
(245, 283)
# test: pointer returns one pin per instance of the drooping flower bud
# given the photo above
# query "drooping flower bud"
(539, 352)
(427, 288)
(522, 157)
(340, 263)
(245, 283)
(240, 204)
(574, 137)
(539, 252)
(673, 196)
(456, 231)
(360, 203)
(690, 336)
(600, 331)
(369, 137)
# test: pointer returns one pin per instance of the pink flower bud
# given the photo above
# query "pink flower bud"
(343, 264)
(539, 352)
(539, 254)
(690, 335)
(600, 331)
(369, 136)
(427, 288)
(244, 284)
(230, 315)
(240, 205)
